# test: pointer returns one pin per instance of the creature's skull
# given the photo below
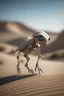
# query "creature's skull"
(42, 36)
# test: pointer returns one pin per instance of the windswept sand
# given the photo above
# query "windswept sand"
(50, 83)
(45, 85)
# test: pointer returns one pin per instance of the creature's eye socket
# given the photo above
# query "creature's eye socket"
(40, 38)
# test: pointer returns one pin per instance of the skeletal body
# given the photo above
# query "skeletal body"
(28, 45)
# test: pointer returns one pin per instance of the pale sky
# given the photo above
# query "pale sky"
(37, 14)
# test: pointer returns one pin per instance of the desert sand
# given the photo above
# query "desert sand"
(45, 85)
(49, 83)
(8, 67)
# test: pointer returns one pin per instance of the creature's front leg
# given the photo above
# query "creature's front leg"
(18, 69)
(28, 50)
(37, 65)
(26, 65)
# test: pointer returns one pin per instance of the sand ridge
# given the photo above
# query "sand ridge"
(44, 85)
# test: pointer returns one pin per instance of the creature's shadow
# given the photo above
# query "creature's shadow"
(9, 79)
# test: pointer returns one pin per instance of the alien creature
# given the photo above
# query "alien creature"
(28, 45)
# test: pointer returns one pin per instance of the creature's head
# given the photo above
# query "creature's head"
(42, 36)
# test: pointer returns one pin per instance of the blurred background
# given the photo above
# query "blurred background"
(21, 18)
(18, 17)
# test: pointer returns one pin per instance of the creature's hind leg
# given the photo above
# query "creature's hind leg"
(18, 69)
(37, 65)
(26, 65)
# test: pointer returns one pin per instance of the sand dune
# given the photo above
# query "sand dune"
(14, 33)
(9, 31)
(50, 83)
(46, 85)
(55, 45)
(9, 65)
(58, 43)
(6, 48)
(14, 30)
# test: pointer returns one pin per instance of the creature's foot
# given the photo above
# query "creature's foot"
(18, 69)
(31, 71)
(38, 68)
(26, 65)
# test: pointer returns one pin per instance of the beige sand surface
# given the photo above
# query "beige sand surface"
(8, 67)
(45, 85)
